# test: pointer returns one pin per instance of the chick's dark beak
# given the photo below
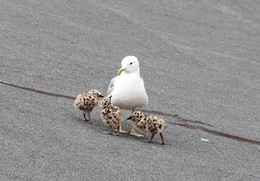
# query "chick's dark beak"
(130, 117)
(101, 96)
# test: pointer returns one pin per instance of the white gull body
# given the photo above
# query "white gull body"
(127, 89)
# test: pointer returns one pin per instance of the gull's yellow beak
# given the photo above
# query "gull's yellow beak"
(121, 70)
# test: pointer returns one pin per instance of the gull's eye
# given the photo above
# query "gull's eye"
(131, 63)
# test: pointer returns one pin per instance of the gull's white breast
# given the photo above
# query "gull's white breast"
(129, 92)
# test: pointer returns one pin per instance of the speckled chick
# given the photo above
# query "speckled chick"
(86, 102)
(149, 124)
(111, 114)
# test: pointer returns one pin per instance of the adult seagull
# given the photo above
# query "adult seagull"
(127, 89)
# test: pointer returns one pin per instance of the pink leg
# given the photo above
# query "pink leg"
(90, 122)
(110, 133)
(150, 141)
(84, 117)
(89, 119)
(162, 139)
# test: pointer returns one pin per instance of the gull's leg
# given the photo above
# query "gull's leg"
(133, 129)
(151, 140)
(121, 130)
(117, 134)
(134, 133)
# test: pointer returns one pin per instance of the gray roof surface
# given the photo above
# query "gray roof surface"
(199, 60)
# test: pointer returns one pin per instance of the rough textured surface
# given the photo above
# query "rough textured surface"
(199, 59)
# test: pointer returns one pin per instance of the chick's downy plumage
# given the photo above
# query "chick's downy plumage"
(86, 102)
(111, 114)
(149, 124)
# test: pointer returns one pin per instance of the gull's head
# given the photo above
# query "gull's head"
(129, 64)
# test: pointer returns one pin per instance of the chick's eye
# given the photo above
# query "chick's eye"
(131, 63)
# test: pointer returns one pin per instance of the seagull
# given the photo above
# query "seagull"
(127, 89)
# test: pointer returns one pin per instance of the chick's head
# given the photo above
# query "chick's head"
(136, 116)
(96, 93)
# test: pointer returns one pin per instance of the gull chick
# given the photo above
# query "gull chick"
(127, 89)
(111, 114)
(86, 102)
(148, 123)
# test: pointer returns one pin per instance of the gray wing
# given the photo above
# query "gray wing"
(111, 85)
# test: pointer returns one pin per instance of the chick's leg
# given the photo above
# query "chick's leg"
(162, 139)
(150, 140)
(89, 121)
(110, 132)
(84, 117)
